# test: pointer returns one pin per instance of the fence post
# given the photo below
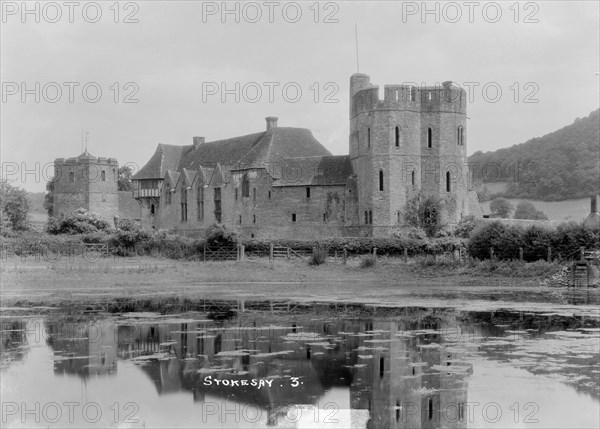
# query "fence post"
(405, 254)
(345, 255)
(270, 252)
(520, 254)
(204, 254)
(549, 254)
(243, 253)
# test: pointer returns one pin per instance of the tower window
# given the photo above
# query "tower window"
(366, 217)
(324, 217)
(370, 217)
(459, 136)
(448, 186)
(293, 217)
(380, 180)
(412, 177)
(152, 209)
(307, 192)
(253, 218)
(103, 176)
(71, 177)
(413, 93)
(368, 137)
(236, 194)
(240, 219)
(269, 194)
(429, 138)
(254, 194)
(397, 136)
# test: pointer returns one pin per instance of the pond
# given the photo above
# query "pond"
(305, 367)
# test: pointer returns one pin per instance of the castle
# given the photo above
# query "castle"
(91, 183)
(282, 183)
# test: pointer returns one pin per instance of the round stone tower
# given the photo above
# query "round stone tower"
(86, 182)
(411, 141)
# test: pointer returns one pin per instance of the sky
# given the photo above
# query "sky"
(130, 75)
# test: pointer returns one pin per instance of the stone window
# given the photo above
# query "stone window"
(413, 93)
(152, 209)
(448, 185)
(368, 137)
(168, 193)
(366, 217)
(71, 177)
(412, 177)
(103, 176)
(240, 219)
(269, 194)
(236, 194)
(307, 192)
(217, 201)
(380, 180)
(184, 200)
(293, 217)
(200, 201)
(370, 217)
(245, 186)
(254, 194)
(253, 218)
(429, 138)
(459, 136)
(397, 135)
(324, 217)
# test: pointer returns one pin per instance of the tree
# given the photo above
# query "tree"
(526, 210)
(423, 211)
(502, 207)
(124, 181)
(14, 207)
(49, 197)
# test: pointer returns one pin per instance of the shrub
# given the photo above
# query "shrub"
(318, 256)
(79, 222)
(368, 261)
(505, 240)
(465, 227)
(218, 235)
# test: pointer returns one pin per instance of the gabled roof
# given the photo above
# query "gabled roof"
(258, 150)
(314, 171)
(188, 176)
(166, 157)
(172, 177)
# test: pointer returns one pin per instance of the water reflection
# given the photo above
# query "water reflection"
(404, 371)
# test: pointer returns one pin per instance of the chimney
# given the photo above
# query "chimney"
(198, 141)
(271, 122)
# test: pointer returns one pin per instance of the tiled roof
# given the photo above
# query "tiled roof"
(314, 171)
(258, 150)
(166, 157)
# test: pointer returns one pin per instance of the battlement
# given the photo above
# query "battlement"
(112, 162)
(438, 98)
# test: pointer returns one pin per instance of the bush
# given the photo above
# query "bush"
(368, 261)
(465, 227)
(80, 222)
(318, 256)
(218, 235)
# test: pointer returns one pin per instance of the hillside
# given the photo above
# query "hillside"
(561, 165)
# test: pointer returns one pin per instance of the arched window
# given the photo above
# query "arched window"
(368, 137)
(458, 136)
(380, 180)
(370, 216)
(71, 177)
(245, 186)
(152, 209)
(448, 181)
(397, 136)
(412, 177)
(429, 137)
(103, 176)
(366, 217)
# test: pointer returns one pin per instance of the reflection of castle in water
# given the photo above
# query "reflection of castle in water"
(404, 378)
